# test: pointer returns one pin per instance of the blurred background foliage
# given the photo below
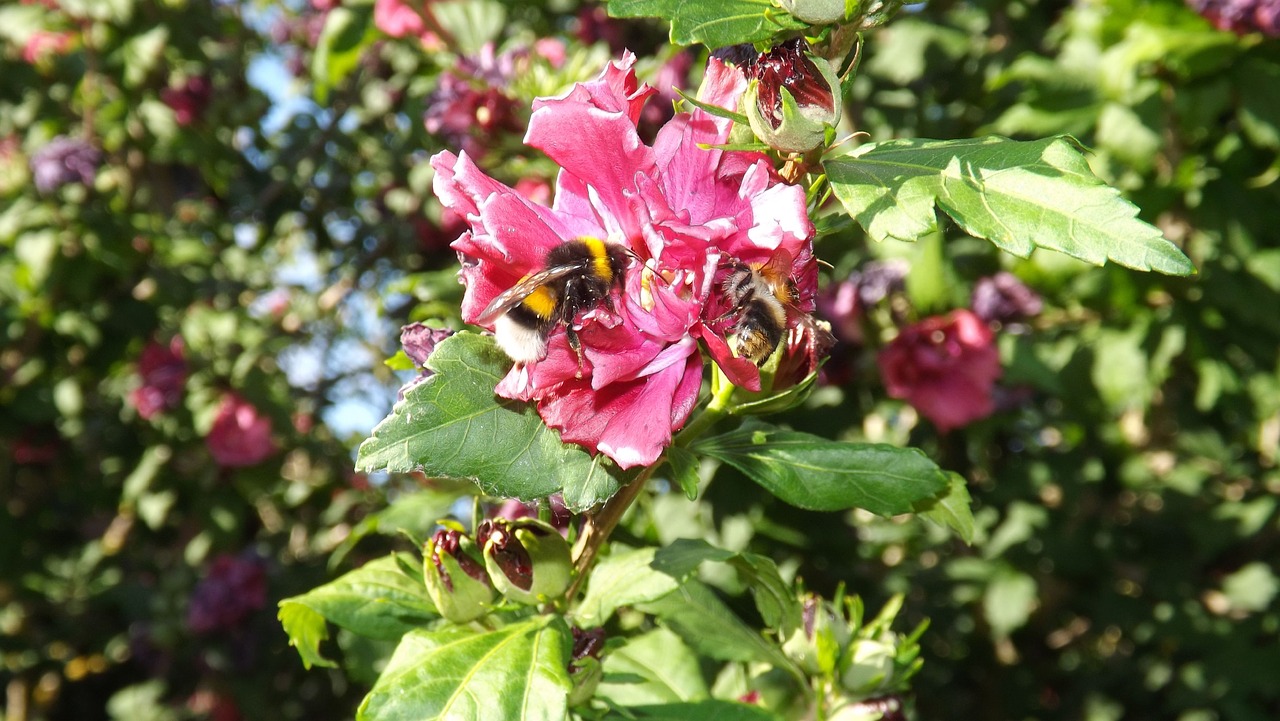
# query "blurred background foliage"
(214, 216)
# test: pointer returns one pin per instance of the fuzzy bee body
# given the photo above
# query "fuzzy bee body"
(759, 298)
(577, 275)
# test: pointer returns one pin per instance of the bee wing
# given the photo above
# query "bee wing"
(511, 297)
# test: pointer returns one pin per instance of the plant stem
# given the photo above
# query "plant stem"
(599, 525)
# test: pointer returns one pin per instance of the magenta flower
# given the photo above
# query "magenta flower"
(240, 436)
(944, 366)
(43, 45)
(680, 210)
(188, 100)
(164, 377)
(232, 589)
(400, 18)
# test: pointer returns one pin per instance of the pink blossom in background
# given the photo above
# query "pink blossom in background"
(44, 44)
(188, 100)
(944, 366)
(163, 373)
(552, 50)
(240, 436)
(675, 205)
(402, 18)
(231, 590)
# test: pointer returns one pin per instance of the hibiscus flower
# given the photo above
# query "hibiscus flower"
(680, 209)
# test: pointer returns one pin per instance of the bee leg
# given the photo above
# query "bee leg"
(576, 344)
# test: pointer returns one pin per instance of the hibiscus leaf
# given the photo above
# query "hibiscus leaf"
(817, 474)
(697, 615)
(597, 485)
(714, 24)
(452, 425)
(1019, 195)
(516, 672)
(655, 667)
(347, 32)
(378, 600)
(951, 509)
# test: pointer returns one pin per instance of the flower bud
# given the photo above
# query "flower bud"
(868, 667)
(793, 97)
(816, 645)
(585, 669)
(528, 560)
(816, 12)
(455, 576)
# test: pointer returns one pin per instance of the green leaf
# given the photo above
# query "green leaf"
(623, 579)
(684, 470)
(714, 24)
(1019, 195)
(696, 614)
(379, 600)
(453, 426)
(817, 474)
(774, 599)
(346, 33)
(708, 710)
(1008, 601)
(306, 629)
(951, 509)
(653, 668)
(516, 672)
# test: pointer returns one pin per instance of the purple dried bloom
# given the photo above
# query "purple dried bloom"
(879, 279)
(1241, 16)
(420, 340)
(233, 588)
(1002, 298)
(64, 160)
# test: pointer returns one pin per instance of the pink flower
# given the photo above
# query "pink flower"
(43, 44)
(679, 209)
(240, 436)
(944, 366)
(399, 18)
(164, 377)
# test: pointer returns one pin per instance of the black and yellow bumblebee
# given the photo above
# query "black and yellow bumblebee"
(577, 275)
(762, 303)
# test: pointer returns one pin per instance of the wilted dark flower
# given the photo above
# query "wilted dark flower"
(164, 376)
(528, 560)
(189, 100)
(944, 366)
(240, 435)
(231, 590)
(64, 160)
(1241, 16)
(1002, 298)
(595, 25)
(794, 96)
(419, 342)
(455, 576)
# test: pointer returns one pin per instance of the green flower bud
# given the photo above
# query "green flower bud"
(816, 12)
(527, 559)
(455, 577)
(585, 669)
(867, 667)
(792, 98)
(816, 645)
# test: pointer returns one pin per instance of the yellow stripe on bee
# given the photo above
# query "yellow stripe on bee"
(541, 301)
(599, 258)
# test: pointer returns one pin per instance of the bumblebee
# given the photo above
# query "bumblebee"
(762, 302)
(577, 276)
